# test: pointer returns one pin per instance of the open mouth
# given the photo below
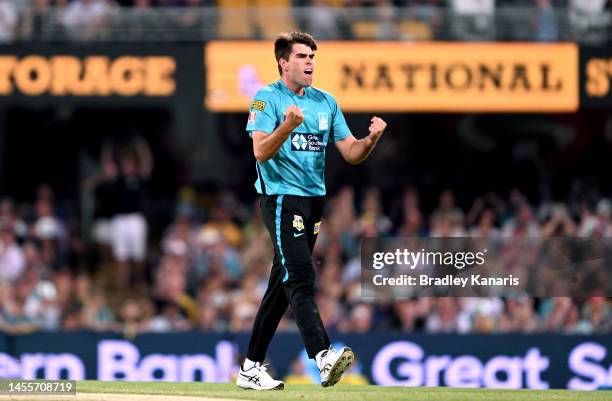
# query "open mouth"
(308, 71)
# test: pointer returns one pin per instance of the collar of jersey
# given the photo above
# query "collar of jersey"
(289, 91)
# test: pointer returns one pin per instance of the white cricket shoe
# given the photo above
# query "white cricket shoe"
(257, 378)
(333, 363)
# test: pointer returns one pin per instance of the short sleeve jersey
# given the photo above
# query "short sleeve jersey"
(299, 166)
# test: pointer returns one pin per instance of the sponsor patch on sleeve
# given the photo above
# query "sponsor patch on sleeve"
(252, 117)
(258, 105)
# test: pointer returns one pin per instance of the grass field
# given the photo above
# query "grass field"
(157, 391)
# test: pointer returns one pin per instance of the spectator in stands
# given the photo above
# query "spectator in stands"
(405, 315)
(598, 315)
(9, 216)
(12, 259)
(209, 319)
(102, 185)
(386, 16)
(446, 317)
(96, 314)
(132, 317)
(520, 316)
(473, 19)
(560, 223)
(412, 218)
(84, 19)
(8, 20)
(522, 224)
(547, 30)
(129, 225)
(51, 232)
(169, 318)
(42, 306)
(373, 214)
(323, 21)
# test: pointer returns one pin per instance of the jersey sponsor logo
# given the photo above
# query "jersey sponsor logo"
(323, 121)
(307, 142)
(258, 105)
(252, 117)
(298, 222)
(317, 227)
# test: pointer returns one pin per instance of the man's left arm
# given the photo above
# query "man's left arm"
(355, 150)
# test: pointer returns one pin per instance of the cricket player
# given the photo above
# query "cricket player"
(291, 124)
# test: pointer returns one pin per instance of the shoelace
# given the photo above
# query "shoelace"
(263, 370)
(327, 366)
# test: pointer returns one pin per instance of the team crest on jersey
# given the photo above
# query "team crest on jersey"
(317, 227)
(252, 117)
(323, 121)
(298, 222)
(258, 105)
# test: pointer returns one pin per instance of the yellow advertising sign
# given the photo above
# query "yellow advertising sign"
(65, 75)
(401, 77)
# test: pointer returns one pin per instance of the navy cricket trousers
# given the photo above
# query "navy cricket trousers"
(293, 223)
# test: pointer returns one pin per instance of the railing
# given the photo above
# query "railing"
(378, 23)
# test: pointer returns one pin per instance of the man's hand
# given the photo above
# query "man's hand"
(377, 127)
(293, 117)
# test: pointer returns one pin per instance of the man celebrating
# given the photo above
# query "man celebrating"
(291, 124)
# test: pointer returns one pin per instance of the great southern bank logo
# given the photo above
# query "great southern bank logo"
(299, 142)
(307, 142)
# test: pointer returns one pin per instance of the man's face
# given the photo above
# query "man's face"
(299, 69)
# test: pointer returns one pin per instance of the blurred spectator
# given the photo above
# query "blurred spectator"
(386, 16)
(547, 30)
(520, 316)
(412, 218)
(559, 224)
(96, 313)
(43, 307)
(9, 217)
(523, 224)
(8, 20)
(129, 226)
(168, 319)
(373, 221)
(323, 21)
(132, 318)
(12, 260)
(447, 218)
(446, 317)
(103, 187)
(84, 19)
(473, 19)
(598, 225)
(209, 319)
(588, 20)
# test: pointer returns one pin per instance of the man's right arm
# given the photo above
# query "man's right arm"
(266, 146)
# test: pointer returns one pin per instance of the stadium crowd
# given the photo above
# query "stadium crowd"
(209, 268)
(502, 20)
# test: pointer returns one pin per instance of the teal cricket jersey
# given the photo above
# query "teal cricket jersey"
(299, 166)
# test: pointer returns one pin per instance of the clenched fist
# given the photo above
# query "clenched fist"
(293, 116)
(377, 127)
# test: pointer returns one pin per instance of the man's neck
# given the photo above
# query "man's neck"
(298, 90)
